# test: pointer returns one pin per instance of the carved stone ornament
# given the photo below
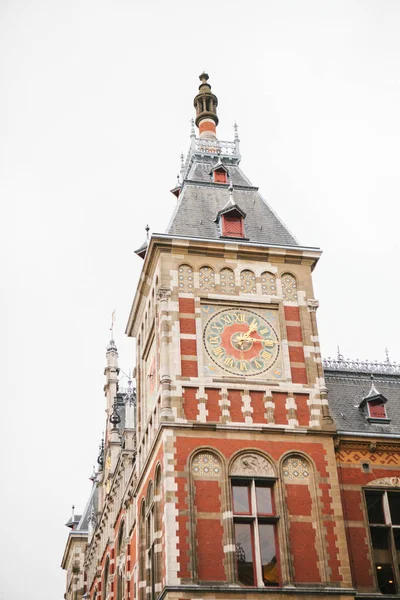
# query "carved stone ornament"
(163, 294)
(385, 482)
(312, 305)
(253, 465)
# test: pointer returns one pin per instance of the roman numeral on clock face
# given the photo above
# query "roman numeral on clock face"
(229, 361)
(218, 351)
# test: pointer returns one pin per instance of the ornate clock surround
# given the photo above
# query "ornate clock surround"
(242, 339)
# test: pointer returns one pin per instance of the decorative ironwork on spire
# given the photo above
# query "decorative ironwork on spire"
(115, 419)
(100, 458)
(361, 366)
(206, 104)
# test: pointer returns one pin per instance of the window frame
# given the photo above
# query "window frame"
(218, 172)
(226, 217)
(255, 519)
(150, 550)
(389, 527)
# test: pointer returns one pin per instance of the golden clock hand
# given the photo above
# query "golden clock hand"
(252, 327)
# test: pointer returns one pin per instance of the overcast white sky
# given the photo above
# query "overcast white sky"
(95, 107)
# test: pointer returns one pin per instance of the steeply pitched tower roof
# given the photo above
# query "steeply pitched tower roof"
(201, 198)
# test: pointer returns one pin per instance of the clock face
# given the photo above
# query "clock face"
(241, 341)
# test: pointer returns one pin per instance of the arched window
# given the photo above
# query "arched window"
(289, 287)
(268, 284)
(105, 588)
(142, 552)
(150, 542)
(254, 519)
(185, 278)
(227, 279)
(248, 282)
(120, 555)
(206, 279)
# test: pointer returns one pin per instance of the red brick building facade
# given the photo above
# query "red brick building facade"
(240, 465)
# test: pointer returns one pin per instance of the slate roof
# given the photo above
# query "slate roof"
(347, 389)
(201, 199)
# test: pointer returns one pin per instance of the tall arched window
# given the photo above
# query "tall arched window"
(142, 552)
(254, 519)
(150, 542)
(105, 587)
(120, 566)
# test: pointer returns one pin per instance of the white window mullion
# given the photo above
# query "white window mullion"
(386, 509)
(257, 557)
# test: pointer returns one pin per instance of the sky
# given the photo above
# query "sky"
(96, 98)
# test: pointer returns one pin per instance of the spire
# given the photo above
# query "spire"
(206, 104)
(373, 391)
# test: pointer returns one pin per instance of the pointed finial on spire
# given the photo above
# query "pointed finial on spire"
(147, 228)
(182, 160)
(73, 513)
(236, 130)
(192, 129)
(339, 355)
(111, 345)
(230, 188)
(387, 356)
(93, 475)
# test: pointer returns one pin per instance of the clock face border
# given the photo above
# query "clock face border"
(264, 315)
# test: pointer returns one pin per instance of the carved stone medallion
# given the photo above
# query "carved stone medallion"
(252, 465)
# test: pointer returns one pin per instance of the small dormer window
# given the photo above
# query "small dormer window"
(232, 226)
(377, 410)
(373, 405)
(220, 176)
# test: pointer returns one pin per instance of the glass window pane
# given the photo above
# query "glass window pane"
(264, 500)
(396, 533)
(385, 578)
(241, 499)
(394, 504)
(268, 554)
(244, 553)
(375, 507)
(379, 536)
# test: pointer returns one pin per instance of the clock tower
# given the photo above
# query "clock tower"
(236, 487)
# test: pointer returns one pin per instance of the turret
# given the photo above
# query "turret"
(206, 104)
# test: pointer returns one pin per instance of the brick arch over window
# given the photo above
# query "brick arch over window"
(308, 547)
(289, 287)
(248, 282)
(227, 281)
(185, 278)
(268, 284)
(208, 501)
(206, 279)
